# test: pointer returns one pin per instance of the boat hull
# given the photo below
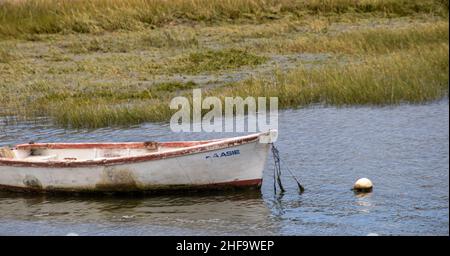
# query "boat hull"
(235, 166)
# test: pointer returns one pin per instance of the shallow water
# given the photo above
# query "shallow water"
(404, 150)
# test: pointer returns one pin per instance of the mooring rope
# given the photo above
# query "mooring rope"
(277, 169)
(277, 172)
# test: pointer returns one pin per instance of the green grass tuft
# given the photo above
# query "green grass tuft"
(170, 39)
(213, 60)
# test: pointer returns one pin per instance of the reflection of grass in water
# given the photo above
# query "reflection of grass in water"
(414, 75)
(83, 16)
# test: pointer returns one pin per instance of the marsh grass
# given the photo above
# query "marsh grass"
(87, 77)
(6, 53)
(410, 76)
(374, 40)
(193, 62)
(407, 76)
(5, 56)
(175, 86)
(97, 104)
(96, 45)
(22, 18)
(107, 92)
(213, 60)
(170, 38)
(123, 43)
(100, 113)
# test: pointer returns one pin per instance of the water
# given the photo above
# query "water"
(404, 150)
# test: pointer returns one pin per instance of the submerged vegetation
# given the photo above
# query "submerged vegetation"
(100, 63)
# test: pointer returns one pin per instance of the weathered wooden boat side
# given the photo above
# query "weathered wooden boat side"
(146, 166)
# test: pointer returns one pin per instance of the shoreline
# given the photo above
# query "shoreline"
(127, 77)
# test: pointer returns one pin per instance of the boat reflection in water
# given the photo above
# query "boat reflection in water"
(243, 213)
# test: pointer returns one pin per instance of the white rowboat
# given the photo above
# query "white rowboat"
(130, 167)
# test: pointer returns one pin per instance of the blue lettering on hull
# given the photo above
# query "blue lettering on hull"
(224, 154)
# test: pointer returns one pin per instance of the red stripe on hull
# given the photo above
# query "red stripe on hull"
(242, 183)
(239, 184)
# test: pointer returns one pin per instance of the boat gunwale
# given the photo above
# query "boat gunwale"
(201, 147)
(110, 145)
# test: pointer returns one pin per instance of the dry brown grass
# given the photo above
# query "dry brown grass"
(22, 18)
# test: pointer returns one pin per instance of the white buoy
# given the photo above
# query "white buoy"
(363, 185)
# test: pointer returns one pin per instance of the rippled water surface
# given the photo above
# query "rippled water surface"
(404, 150)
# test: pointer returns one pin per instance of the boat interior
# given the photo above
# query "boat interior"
(89, 151)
